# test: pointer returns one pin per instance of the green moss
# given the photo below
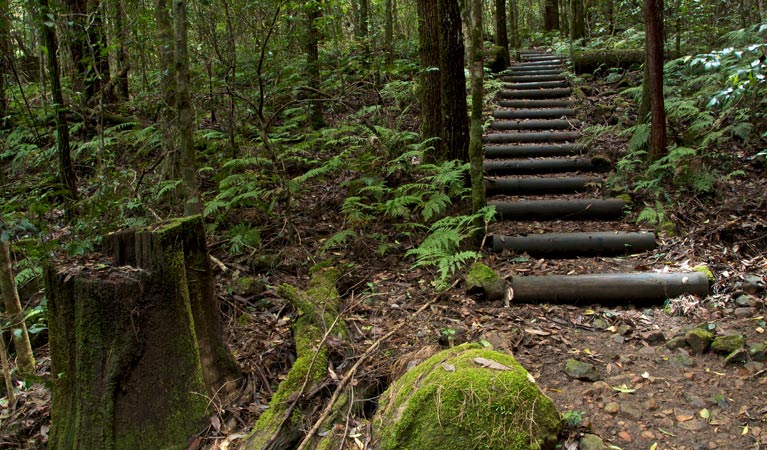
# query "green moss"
(704, 269)
(626, 198)
(471, 407)
(480, 274)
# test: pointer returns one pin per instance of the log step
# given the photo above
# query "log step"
(532, 78)
(551, 136)
(549, 165)
(580, 244)
(542, 103)
(580, 209)
(538, 186)
(527, 150)
(535, 58)
(535, 124)
(536, 94)
(534, 113)
(537, 85)
(537, 72)
(615, 288)
(535, 67)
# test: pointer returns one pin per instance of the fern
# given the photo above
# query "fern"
(640, 139)
(337, 239)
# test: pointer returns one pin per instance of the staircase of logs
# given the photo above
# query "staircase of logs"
(542, 181)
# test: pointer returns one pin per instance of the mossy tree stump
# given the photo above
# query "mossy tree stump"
(136, 341)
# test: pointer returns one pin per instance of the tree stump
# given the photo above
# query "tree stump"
(136, 341)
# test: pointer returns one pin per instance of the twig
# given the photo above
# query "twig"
(350, 374)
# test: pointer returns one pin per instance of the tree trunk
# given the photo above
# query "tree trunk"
(389, 31)
(25, 360)
(578, 20)
(476, 154)
(141, 333)
(514, 26)
(455, 118)
(66, 169)
(430, 91)
(123, 56)
(762, 15)
(5, 55)
(364, 19)
(501, 33)
(312, 41)
(653, 13)
(165, 55)
(185, 111)
(551, 15)
(88, 47)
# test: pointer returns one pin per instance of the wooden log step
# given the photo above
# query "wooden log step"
(530, 58)
(576, 244)
(575, 209)
(535, 124)
(549, 165)
(536, 67)
(532, 78)
(613, 288)
(539, 62)
(541, 137)
(542, 103)
(537, 85)
(534, 72)
(527, 150)
(534, 113)
(536, 93)
(536, 186)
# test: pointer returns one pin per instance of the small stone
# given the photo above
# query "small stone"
(612, 408)
(758, 352)
(581, 370)
(724, 345)
(694, 400)
(738, 356)
(630, 410)
(653, 337)
(746, 301)
(651, 404)
(753, 366)
(591, 442)
(625, 437)
(647, 434)
(698, 340)
(600, 324)
(600, 386)
(248, 286)
(690, 376)
(693, 425)
(624, 330)
(618, 339)
(752, 284)
(676, 342)
(744, 313)
(681, 360)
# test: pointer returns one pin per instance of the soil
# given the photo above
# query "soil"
(648, 396)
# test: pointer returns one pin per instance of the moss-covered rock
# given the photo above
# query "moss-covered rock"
(704, 269)
(724, 345)
(483, 280)
(467, 398)
(699, 340)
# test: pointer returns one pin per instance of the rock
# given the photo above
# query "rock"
(248, 286)
(600, 323)
(676, 342)
(651, 404)
(698, 340)
(581, 370)
(744, 313)
(724, 345)
(746, 301)
(758, 352)
(752, 284)
(653, 337)
(591, 442)
(681, 360)
(624, 330)
(693, 400)
(630, 410)
(625, 437)
(487, 396)
(738, 356)
(482, 280)
(612, 408)
(647, 434)
(693, 425)
(704, 269)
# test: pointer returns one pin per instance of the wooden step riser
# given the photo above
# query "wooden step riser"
(537, 85)
(533, 150)
(534, 113)
(560, 210)
(528, 73)
(532, 78)
(575, 244)
(536, 94)
(540, 186)
(541, 166)
(521, 138)
(541, 103)
(535, 124)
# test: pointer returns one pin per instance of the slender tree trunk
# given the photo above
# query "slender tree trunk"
(430, 91)
(514, 25)
(476, 154)
(364, 18)
(501, 33)
(231, 75)
(578, 19)
(610, 13)
(6, 367)
(455, 118)
(166, 114)
(185, 111)
(123, 56)
(762, 15)
(389, 31)
(653, 13)
(88, 47)
(312, 40)
(24, 357)
(551, 15)
(5, 56)
(66, 169)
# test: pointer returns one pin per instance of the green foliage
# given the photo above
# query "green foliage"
(573, 418)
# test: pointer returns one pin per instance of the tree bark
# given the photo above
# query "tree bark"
(88, 47)
(514, 27)
(653, 13)
(166, 113)
(123, 55)
(389, 31)
(580, 244)
(66, 169)
(25, 360)
(578, 20)
(476, 154)
(455, 118)
(312, 41)
(560, 209)
(430, 91)
(551, 15)
(501, 32)
(5, 55)
(140, 332)
(185, 111)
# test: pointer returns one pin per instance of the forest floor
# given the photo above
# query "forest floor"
(648, 396)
